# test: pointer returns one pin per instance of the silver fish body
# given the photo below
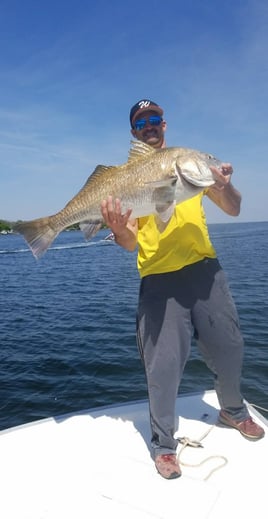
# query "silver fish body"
(151, 181)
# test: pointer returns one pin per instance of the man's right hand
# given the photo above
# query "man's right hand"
(112, 215)
(124, 230)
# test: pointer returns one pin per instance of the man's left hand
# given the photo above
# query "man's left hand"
(222, 176)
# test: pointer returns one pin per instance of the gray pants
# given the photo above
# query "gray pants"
(171, 307)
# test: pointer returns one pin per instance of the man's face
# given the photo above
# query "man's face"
(151, 134)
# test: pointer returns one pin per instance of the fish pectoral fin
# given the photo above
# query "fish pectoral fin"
(196, 173)
(89, 229)
(165, 211)
(166, 182)
(164, 197)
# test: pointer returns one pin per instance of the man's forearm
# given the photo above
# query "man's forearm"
(227, 198)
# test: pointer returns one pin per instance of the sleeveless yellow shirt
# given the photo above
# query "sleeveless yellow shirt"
(184, 241)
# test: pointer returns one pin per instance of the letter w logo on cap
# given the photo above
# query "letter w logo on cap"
(144, 104)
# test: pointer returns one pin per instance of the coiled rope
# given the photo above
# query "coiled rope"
(187, 442)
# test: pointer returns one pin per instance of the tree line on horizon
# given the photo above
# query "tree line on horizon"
(5, 225)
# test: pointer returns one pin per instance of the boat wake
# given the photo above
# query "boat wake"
(62, 247)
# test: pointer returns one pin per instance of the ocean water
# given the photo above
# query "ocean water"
(67, 323)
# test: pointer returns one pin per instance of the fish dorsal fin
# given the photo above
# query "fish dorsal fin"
(99, 170)
(139, 149)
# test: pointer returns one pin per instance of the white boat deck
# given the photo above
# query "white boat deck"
(97, 464)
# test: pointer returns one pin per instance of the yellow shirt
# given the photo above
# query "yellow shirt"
(184, 241)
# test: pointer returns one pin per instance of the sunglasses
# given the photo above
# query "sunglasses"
(153, 120)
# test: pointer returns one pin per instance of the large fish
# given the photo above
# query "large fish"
(151, 181)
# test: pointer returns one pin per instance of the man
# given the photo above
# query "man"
(183, 290)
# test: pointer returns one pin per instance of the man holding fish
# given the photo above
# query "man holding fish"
(183, 292)
(155, 202)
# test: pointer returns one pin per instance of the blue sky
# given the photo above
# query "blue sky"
(70, 71)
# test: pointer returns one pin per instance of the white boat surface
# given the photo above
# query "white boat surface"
(97, 463)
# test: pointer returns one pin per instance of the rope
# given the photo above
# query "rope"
(186, 442)
(259, 407)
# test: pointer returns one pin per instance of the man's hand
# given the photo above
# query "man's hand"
(124, 229)
(222, 176)
(223, 193)
(112, 215)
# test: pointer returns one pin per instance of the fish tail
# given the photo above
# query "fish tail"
(39, 234)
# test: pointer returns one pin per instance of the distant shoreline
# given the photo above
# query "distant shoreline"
(6, 227)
